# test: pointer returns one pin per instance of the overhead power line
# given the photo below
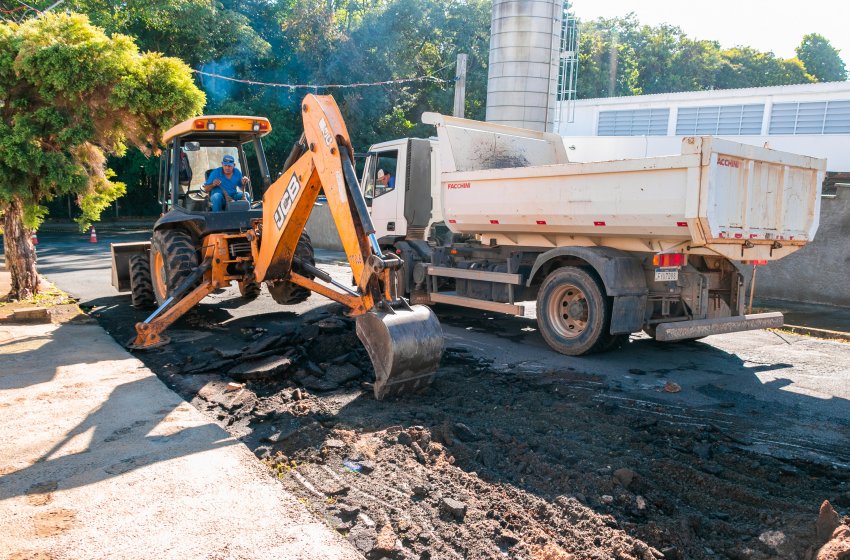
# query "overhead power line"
(433, 79)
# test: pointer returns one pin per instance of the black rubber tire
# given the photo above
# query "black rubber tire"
(173, 258)
(287, 293)
(588, 305)
(250, 288)
(141, 284)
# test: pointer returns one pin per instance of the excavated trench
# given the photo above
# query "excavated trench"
(501, 462)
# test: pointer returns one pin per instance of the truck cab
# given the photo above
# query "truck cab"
(410, 207)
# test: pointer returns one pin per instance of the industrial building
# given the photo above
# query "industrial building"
(810, 119)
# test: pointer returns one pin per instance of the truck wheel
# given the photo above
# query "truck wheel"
(573, 313)
(141, 284)
(285, 292)
(249, 288)
(173, 258)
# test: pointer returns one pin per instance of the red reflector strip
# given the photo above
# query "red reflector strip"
(599, 223)
(541, 222)
(682, 224)
(666, 260)
(494, 221)
(755, 263)
(452, 221)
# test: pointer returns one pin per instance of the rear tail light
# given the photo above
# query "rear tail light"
(668, 260)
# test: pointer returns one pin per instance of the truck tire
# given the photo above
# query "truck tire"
(141, 284)
(573, 312)
(173, 258)
(285, 292)
(249, 288)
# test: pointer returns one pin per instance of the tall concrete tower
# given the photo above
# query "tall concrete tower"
(525, 46)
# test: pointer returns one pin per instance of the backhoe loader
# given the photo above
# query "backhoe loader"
(194, 251)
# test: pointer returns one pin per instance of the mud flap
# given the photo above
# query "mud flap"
(405, 346)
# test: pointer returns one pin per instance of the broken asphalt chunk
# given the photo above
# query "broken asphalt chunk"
(260, 369)
(453, 508)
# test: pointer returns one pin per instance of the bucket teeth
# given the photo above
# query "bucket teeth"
(405, 347)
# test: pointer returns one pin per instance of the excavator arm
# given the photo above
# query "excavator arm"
(404, 342)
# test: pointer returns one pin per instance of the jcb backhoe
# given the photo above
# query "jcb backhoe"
(194, 251)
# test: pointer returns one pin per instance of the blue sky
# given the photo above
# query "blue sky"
(776, 25)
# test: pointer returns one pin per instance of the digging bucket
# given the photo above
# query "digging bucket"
(405, 346)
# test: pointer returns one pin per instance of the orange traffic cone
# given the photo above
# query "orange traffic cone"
(93, 236)
(34, 239)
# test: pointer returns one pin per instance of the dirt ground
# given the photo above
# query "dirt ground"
(496, 463)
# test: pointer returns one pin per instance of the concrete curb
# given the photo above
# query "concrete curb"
(817, 333)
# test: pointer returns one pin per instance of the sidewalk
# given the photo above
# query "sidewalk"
(99, 459)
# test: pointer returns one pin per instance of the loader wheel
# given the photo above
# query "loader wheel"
(141, 284)
(573, 312)
(249, 288)
(287, 293)
(173, 258)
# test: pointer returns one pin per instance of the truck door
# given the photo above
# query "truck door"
(382, 187)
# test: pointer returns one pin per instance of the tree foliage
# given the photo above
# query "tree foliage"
(72, 95)
(821, 59)
(619, 56)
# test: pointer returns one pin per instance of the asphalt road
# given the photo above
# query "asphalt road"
(804, 382)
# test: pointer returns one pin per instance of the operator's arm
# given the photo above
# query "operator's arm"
(212, 181)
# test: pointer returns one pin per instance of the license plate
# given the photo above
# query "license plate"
(666, 274)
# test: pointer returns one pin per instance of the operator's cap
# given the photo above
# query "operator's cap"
(228, 160)
(380, 174)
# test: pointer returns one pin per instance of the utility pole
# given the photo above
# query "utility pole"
(460, 86)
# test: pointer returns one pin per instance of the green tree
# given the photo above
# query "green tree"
(670, 61)
(197, 31)
(72, 95)
(608, 61)
(821, 59)
(744, 67)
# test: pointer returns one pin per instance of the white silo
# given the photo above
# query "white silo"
(525, 45)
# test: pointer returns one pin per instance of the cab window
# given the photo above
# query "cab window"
(380, 174)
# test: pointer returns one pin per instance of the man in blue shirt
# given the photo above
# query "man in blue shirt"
(224, 184)
(386, 179)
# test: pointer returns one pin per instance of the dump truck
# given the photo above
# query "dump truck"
(260, 239)
(498, 218)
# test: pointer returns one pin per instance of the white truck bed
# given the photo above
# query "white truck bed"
(517, 187)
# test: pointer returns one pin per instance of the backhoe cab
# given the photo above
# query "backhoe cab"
(195, 251)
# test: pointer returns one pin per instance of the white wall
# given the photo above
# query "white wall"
(834, 147)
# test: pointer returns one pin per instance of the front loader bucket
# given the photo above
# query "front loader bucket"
(405, 346)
